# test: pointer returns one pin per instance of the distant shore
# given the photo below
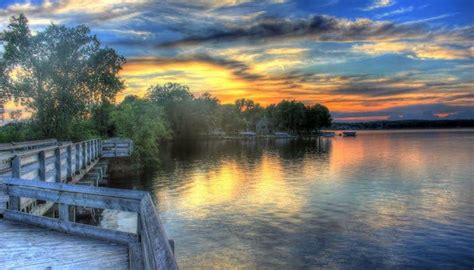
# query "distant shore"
(403, 124)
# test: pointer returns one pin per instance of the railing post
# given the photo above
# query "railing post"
(78, 159)
(42, 165)
(13, 201)
(88, 146)
(69, 163)
(91, 155)
(94, 145)
(91, 152)
(57, 163)
(84, 156)
(93, 149)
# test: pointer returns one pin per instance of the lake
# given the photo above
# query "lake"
(384, 199)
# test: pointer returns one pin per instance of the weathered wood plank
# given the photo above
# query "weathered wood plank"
(72, 228)
(158, 252)
(27, 144)
(112, 192)
(135, 256)
(25, 246)
(74, 198)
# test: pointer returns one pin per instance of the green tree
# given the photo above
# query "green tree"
(249, 111)
(169, 94)
(176, 100)
(188, 116)
(230, 119)
(143, 122)
(58, 74)
(289, 116)
(317, 117)
(101, 119)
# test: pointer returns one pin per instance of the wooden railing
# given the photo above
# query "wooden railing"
(60, 162)
(64, 162)
(57, 163)
(117, 147)
(149, 247)
(28, 145)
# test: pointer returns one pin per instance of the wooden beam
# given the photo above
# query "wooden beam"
(111, 192)
(79, 199)
(135, 256)
(156, 248)
(72, 228)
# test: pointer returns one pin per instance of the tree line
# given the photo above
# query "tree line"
(68, 81)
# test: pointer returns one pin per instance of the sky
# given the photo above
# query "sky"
(363, 59)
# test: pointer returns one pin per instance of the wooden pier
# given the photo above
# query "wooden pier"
(46, 176)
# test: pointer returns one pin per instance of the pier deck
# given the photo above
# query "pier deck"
(38, 176)
(26, 246)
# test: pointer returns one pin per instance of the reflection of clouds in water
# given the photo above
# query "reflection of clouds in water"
(263, 188)
(374, 201)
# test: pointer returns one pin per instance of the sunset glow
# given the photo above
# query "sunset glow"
(368, 60)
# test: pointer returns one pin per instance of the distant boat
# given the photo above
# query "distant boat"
(328, 134)
(349, 133)
(283, 135)
(248, 134)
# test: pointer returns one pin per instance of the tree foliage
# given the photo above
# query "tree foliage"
(58, 74)
(188, 116)
(143, 122)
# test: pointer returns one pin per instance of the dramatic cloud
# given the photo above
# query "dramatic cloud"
(319, 27)
(436, 111)
(369, 59)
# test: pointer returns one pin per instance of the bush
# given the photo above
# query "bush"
(142, 122)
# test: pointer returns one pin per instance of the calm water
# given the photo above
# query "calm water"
(380, 200)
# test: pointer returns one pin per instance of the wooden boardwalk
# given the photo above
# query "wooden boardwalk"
(38, 176)
(29, 247)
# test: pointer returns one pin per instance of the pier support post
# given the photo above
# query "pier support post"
(63, 212)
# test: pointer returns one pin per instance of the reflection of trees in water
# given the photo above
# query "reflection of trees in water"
(300, 149)
(251, 151)
(178, 157)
